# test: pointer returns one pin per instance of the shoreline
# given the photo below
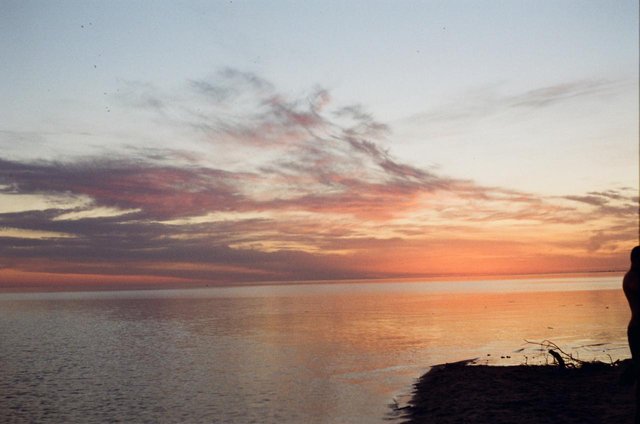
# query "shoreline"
(463, 392)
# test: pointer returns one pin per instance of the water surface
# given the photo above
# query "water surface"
(319, 353)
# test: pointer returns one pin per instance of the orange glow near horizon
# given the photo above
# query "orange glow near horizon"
(441, 235)
(398, 259)
(300, 189)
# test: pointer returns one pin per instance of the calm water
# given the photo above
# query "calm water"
(321, 353)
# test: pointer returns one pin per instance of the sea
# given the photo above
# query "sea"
(328, 352)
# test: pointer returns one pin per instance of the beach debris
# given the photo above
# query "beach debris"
(558, 358)
(562, 358)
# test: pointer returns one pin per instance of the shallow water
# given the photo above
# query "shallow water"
(320, 353)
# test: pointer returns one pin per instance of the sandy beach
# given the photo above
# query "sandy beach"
(468, 393)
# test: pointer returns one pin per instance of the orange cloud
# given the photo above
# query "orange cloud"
(318, 196)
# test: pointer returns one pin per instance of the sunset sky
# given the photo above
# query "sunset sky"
(153, 142)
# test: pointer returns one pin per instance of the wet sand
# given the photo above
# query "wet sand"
(467, 393)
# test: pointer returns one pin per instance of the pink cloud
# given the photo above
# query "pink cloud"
(305, 156)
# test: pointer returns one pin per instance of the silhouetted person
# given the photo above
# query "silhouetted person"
(631, 287)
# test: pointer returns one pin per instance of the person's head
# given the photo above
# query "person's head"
(635, 256)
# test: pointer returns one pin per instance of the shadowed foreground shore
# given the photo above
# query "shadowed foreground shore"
(462, 393)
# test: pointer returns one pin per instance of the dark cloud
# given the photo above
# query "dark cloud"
(159, 191)
(594, 200)
(131, 246)
(304, 156)
(611, 194)
(611, 203)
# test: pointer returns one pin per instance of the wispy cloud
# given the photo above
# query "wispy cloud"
(491, 101)
(328, 197)
(547, 96)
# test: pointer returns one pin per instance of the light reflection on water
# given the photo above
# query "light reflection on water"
(322, 353)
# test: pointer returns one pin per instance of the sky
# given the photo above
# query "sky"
(192, 143)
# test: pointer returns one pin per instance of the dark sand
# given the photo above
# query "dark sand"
(462, 393)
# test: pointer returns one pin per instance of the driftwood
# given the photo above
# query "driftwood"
(558, 358)
(564, 359)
